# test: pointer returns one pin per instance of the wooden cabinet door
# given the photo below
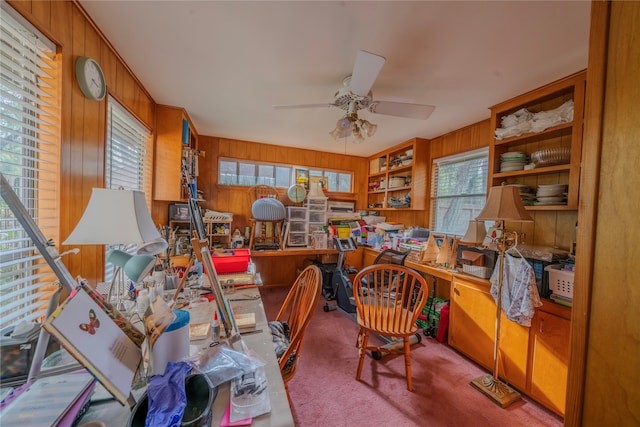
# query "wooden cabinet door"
(472, 320)
(514, 351)
(472, 323)
(550, 355)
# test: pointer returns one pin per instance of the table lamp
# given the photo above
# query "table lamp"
(475, 233)
(119, 217)
(503, 204)
(134, 267)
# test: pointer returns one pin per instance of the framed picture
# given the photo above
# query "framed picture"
(302, 177)
(179, 211)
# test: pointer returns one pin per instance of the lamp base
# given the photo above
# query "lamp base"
(498, 391)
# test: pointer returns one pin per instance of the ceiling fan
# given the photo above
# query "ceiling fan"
(355, 95)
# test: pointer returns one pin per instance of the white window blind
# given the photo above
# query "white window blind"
(29, 160)
(458, 191)
(129, 157)
(129, 151)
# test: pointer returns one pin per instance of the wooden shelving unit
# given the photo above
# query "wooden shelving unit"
(567, 135)
(398, 172)
(176, 145)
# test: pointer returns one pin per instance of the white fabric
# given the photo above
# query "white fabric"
(519, 292)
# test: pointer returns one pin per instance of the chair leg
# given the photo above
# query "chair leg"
(407, 362)
(363, 339)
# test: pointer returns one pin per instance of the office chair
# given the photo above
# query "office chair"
(389, 308)
(296, 311)
(391, 256)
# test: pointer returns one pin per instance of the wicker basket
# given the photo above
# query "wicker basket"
(560, 281)
(477, 270)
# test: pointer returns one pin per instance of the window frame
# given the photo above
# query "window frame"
(310, 172)
(461, 224)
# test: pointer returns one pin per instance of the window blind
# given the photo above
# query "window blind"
(129, 157)
(29, 160)
(458, 191)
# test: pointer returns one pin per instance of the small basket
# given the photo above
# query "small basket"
(560, 281)
(477, 270)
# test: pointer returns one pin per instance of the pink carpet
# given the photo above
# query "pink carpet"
(324, 391)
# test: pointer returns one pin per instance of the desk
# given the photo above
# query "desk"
(112, 414)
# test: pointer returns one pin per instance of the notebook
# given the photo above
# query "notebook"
(48, 400)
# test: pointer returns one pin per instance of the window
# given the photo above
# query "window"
(458, 191)
(241, 172)
(129, 154)
(29, 161)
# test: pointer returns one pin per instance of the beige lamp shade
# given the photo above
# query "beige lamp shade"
(504, 204)
(475, 233)
(114, 217)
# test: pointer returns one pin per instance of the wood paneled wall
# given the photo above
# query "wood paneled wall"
(83, 120)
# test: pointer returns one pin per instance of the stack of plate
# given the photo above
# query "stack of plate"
(513, 161)
(526, 194)
(551, 194)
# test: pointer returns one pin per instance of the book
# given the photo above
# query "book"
(49, 401)
(97, 342)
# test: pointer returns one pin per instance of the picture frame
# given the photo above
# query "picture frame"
(179, 212)
(302, 177)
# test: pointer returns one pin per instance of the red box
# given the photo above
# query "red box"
(231, 260)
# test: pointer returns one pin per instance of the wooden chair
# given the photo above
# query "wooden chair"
(297, 309)
(388, 305)
(269, 230)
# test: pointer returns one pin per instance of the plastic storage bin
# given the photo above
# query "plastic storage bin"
(231, 260)
(560, 281)
(296, 213)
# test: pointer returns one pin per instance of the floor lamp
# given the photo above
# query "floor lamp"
(503, 204)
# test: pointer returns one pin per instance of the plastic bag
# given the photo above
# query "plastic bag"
(221, 364)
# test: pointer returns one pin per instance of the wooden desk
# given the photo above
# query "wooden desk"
(112, 414)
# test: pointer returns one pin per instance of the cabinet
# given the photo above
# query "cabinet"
(398, 177)
(566, 135)
(550, 356)
(533, 360)
(176, 149)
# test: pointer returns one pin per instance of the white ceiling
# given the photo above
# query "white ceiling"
(228, 62)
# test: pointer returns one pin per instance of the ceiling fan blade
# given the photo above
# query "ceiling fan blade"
(365, 72)
(292, 106)
(401, 109)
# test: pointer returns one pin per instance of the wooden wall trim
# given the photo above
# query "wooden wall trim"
(587, 210)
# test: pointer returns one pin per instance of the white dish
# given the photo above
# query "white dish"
(563, 186)
(513, 154)
(550, 199)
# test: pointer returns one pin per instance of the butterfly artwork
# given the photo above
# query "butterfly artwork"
(93, 324)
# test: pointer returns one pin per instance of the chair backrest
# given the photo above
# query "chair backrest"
(297, 309)
(390, 306)
(261, 191)
(391, 256)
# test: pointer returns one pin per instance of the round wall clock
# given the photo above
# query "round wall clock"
(297, 193)
(90, 78)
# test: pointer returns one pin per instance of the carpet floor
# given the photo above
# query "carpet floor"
(324, 391)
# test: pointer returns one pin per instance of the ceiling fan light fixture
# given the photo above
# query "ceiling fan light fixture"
(368, 128)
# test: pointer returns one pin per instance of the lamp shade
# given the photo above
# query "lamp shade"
(114, 217)
(139, 266)
(153, 247)
(118, 258)
(475, 233)
(504, 204)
